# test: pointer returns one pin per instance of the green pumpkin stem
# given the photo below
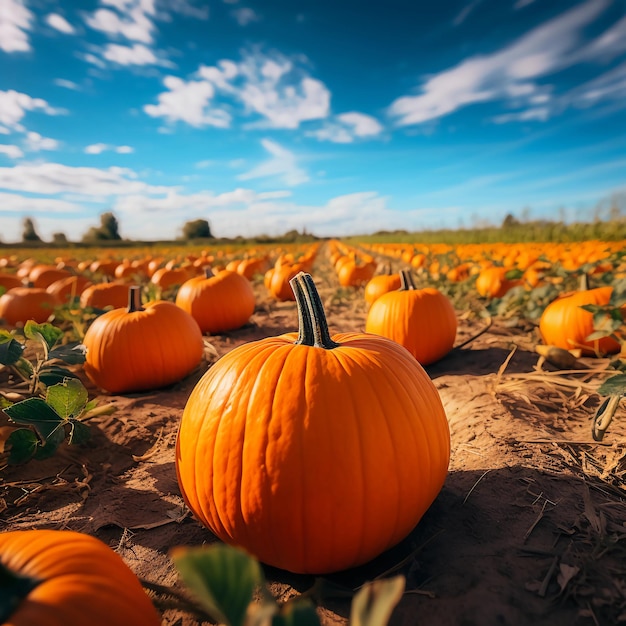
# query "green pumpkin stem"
(14, 589)
(134, 299)
(313, 327)
(406, 281)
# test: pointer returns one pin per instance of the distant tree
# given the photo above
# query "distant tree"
(59, 239)
(510, 221)
(107, 231)
(197, 229)
(29, 233)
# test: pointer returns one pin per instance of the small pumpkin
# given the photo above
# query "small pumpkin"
(20, 304)
(142, 348)
(102, 295)
(566, 325)
(218, 302)
(61, 577)
(492, 282)
(381, 284)
(66, 289)
(9, 281)
(313, 453)
(421, 320)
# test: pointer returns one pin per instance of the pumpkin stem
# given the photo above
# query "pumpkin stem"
(208, 272)
(584, 282)
(311, 317)
(14, 589)
(134, 299)
(406, 281)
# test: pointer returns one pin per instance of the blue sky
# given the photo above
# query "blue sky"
(341, 117)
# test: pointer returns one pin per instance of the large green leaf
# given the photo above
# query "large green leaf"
(23, 444)
(222, 578)
(79, 432)
(46, 333)
(375, 601)
(67, 398)
(36, 413)
(71, 353)
(53, 374)
(616, 385)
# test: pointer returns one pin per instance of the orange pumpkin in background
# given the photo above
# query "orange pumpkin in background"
(141, 348)
(421, 320)
(65, 578)
(102, 295)
(218, 302)
(380, 285)
(492, 282)
(20, 304)
(286, 447)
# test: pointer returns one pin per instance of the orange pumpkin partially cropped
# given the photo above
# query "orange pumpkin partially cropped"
(313, 453)
(142, 348)
(65, 578)
(20, 304)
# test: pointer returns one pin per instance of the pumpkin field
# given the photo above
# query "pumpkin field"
(443, 418)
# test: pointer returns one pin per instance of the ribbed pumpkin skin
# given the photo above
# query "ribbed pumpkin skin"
(84, 581)
(219, 303)
(313, 460)
(142, 350)
(564, 324)
(421, 320)
(21, 304)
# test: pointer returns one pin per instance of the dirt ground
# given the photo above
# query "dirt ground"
(530, 527)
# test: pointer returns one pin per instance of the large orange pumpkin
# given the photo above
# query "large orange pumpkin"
(139, 348)
(218, 302)
(421, 320)
(21, 304)
(313, 453)
(565, 324)
(65, 578)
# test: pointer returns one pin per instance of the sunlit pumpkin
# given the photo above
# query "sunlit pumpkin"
(20, 304)
(421, 320)
(313, 453)
(70, 287)
(566, 325)
(141, 348)
(65, 578)
(380, 285)
(102, 295)
(218, 302)
(492, 282)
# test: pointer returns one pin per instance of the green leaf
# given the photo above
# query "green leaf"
(53, 374)
(297, 613)
(56, 438)
(36, 413)
(618, 295)
(71, 353)
(374, 602)
(616, 385)
(10, 349)
(68, 398)
(79, 432)
(23, 442)
(46, 333)
(222, 578)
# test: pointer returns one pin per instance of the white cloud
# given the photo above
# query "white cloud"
(540, 114)
(99, 148)
(347, 127)
(245, 16)
(18, 204)
(188, 102)
(14, 106)
(13, 152)
(35, 142)
(465, 12)
(58, 22)
(546, 49)
(15, 22)
(282, 165)
(133, 20)
(137, 54)
(55, 178)
(520, 4)
(67, 84)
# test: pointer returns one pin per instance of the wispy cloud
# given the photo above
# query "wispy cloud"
(15, 23)
(465, 12)
(131, 19)
(34, 142)
(11, 151)
(282, 165)
(67, 84)
(14, 105)
(507, 74)
(58, 22)
(245, 16)
(99, 148)
(346, 127)
(137, 54)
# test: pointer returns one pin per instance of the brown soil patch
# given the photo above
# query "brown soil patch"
(529, 528)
